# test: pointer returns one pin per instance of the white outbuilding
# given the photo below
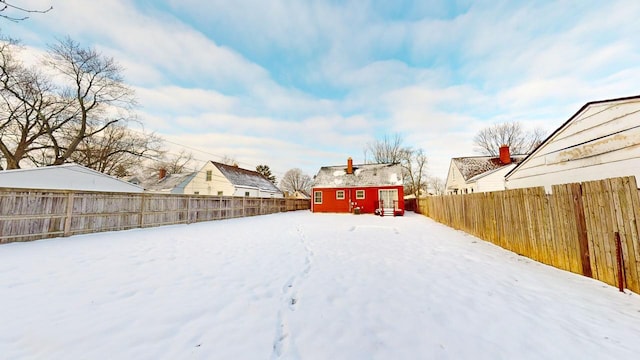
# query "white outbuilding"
(65, 177)
(601, 140)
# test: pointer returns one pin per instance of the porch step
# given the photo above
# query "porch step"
(388, 212)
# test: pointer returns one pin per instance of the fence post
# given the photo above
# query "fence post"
(67, 219)
(619, 261)
(141, 219)
(188, 209)
(583, 240)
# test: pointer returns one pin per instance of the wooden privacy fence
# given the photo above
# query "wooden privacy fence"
(38, 214)
(575, 228)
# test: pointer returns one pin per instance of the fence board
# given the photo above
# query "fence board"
(32, 214)
(547, 227)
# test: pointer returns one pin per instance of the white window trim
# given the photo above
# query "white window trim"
(338, 196)
(363, 194)
(315, 198)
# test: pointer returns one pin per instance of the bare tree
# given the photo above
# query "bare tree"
(437, 185)
(295, 180)
(389, 150)
(30, 110)
(229, 160)
(7, 8)
(96, 94)
(414, 167)
(172, 164)
(117, 150)
(489, 140)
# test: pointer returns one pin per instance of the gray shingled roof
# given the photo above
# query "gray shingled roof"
(246, 178)
(475, 165)
(170, 183)
(363, 175)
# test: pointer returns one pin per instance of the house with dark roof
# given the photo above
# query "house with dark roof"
(601, 140)
(480, 173)
(365, 188)
(215, 178)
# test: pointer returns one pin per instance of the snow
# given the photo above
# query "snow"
(302, 286)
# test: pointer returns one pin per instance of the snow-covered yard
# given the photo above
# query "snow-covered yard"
(302, 286)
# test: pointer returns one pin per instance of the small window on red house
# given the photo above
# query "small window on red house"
(359, 194)
(317, 197)
(340, 195)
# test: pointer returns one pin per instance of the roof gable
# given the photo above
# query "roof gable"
(473, 166)
(567, 123)
(245, 178)
(169, 183)
(363, 175)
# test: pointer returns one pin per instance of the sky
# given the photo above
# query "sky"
(305, 84)
(301, 285)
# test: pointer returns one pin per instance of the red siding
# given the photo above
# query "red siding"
(366, 205)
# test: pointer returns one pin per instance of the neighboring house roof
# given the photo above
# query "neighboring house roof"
(246, 178)
(298, 194)
(473, 166)
(363, 175)
(171, 183)
(64, 177)
(566, 123)
(487, 173)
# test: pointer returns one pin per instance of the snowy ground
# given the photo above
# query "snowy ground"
(302, 286)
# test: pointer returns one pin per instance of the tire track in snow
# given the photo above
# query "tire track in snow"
(283, 343)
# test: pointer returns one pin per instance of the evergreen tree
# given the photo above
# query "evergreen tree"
(264, 170)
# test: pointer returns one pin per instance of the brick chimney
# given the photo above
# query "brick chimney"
(349, 166)
(505, 155)
(162, 173)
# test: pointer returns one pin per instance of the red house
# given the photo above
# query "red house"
(367, 188)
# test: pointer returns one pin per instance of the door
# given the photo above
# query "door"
(389, 198)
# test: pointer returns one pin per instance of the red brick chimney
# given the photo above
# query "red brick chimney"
(505, 155)
(162, 173)
(349, 166)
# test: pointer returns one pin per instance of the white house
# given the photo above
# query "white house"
(65, 177)
(480, 173)
(228, 180)
(601, 140)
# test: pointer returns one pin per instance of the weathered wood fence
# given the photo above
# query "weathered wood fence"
(575, 228)
(38, 214)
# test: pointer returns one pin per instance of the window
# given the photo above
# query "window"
(340, 195)
(359, 194)
(219, 193)
(196, 193)
(246, 193)
(209, 173)
(317, 197)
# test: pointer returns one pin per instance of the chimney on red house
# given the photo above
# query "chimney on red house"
(349, 166)
(505, 155)
(162, 173)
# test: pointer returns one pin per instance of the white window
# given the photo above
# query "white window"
(219, 193)
(317, 197)
(209, 174)
(340, 195)
(359, 194)
(246, 193)
(196, 193)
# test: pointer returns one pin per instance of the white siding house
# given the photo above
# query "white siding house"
(601, 140)
(65, 177)
(225, 180)
(479, 173)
